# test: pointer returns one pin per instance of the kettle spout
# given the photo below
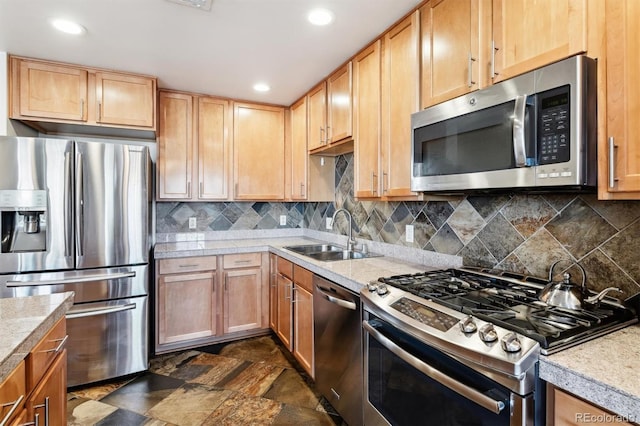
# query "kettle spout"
(595, 299)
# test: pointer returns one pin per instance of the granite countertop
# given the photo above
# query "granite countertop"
(605, 371)
(24, 321)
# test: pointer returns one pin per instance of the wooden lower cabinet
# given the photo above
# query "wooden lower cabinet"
(294, 320)
(273, 291)
(48, 402)
(208, 299)
(564, 409)
(12, 393)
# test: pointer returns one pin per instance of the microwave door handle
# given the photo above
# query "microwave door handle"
(519, 148)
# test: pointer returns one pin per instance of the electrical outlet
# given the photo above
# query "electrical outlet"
(193, 223)
(408, 233)
(329, 224)
(283, 219)
(322, 161)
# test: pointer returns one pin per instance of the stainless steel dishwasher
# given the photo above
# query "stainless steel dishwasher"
(337, 325)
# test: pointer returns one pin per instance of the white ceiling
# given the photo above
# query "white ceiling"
(221, 52)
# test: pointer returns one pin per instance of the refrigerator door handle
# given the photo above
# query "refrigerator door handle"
(68, 206)
(71, 280)
(80, 313)
(79, 203)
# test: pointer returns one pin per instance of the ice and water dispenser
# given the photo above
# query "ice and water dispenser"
(23, 220)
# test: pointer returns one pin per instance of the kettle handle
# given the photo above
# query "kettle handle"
(583, 286)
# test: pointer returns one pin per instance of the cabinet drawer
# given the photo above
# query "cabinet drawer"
(12, 394)
(43, 354)
(285, 268)
(243, 260)
(187, 264)
(303, 278)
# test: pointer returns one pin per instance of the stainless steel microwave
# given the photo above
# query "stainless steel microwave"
(536, 131)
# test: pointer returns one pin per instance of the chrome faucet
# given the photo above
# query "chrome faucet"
(350, 242)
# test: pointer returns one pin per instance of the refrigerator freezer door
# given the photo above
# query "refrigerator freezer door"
(36, 205)
(112, 205)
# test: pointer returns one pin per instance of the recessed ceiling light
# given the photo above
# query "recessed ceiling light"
(68, 27)
(261, 87)
(320, 17)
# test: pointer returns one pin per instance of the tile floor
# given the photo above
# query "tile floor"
(250, 382)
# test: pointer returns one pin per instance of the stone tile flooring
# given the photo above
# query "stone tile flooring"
(250, 382)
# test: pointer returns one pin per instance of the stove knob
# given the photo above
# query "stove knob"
(510, 343)
(382, 290)
(468, 325)
(488, 333)
(372, 286)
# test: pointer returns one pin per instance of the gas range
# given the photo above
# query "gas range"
(491, 307)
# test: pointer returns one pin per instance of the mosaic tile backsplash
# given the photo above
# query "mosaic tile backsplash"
(515, 232)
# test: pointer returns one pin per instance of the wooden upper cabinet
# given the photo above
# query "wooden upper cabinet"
(125, 100)
(400, 99)
(367, 69)
(43, 90)
(450, 49)
(620, 174)
(299, 153)
(214, 150)
(340, 105)
(317, 123)
(528, 35)
(258, 152)
(175, 144)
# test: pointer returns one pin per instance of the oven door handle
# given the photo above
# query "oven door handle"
(519, 147)
(340, 302)
(456, 386)
(81, 313)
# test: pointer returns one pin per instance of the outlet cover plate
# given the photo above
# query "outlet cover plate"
(283, 219)
(329, 224)
(408, 233)
(193, 223)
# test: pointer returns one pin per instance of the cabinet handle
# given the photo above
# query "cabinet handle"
(201, 189)
(238, 262)
(193, 265)
(35, 422)
(189, 189)
(470, 61)
(293, 295)
(46, 411)
(384, 176)
(289, 296)
(99, 119)
(612, 162)
(301, 189)
(14, 406)
(226, 281)
(81, 108)
(321, 132)
(373, 180)
(60, 345)
(328, 139)
(494, 49)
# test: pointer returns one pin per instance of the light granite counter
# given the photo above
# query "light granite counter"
(24, 321)
(605, 371)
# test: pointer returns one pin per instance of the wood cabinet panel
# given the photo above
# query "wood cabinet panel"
(367, 78)
(284, 328)
(273, 291)
(317, 123)
(12, 393)
(299, 152)
(569, 410)
(242, 260)
(187, 264)
(44, 352)
(49, 399)
(186, 307)
(175, 145)
(243, 300)
(214, 150)
(303, 326)
(529, 36)
(340, 104)
(125, 100)
(622, 103)
(258, 146)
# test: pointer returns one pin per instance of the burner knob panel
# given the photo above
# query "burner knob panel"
(488, 333)
(382, 290)
(468, 325)
(510, 343)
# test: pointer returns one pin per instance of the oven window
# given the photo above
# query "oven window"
(405, 396)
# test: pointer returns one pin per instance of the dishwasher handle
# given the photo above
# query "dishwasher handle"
(336, 300)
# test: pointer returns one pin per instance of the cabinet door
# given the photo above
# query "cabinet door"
(367, 68)
(400, 99)
(571, 411)
(529, 34)
(317, 100)
(623, 101)
(186, 307)
(299, 153)
(284, 329)
(213, 149)
(340, 101)
(258, 146)
(49, 399)
(50, 91)
(175, 140)
(12, 393)
(242, 300)
(273, 292)
(125, 100)
(303, 328)
(450, 49)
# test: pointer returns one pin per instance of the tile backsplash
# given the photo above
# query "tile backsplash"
(515, 232)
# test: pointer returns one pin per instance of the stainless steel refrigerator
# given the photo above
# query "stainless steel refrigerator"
(74, 216)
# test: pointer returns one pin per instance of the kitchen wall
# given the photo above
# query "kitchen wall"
(520, 233)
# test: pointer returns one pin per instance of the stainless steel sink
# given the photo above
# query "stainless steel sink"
(329, 252)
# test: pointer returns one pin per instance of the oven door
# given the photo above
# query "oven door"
(407, 383)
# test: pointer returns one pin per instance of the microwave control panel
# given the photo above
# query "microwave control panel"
(553, 126)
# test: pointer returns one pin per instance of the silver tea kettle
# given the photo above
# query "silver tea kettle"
(568, 295)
